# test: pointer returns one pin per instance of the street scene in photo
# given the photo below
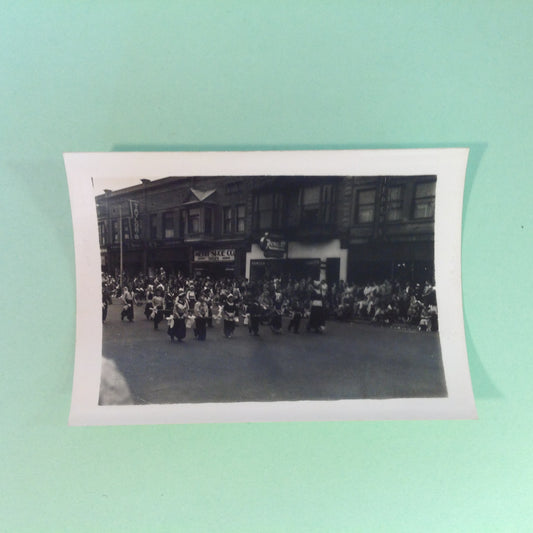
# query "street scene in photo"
(351, 360)
(268, 288)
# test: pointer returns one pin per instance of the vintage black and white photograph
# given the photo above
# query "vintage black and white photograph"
(277, 289)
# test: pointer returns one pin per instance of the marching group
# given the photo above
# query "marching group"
(198, 304)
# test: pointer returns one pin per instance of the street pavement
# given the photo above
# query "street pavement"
(349, 361)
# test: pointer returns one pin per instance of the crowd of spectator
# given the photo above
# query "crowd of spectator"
(388, 302)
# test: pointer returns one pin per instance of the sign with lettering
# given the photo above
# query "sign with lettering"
(135, 220)
(216, 255)
(272, 245)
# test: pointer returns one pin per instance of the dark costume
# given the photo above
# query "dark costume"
(156, 311)
(127, 310)
(276, 322)
(148, 306)
(230, 311)
(180, 313)
(296, 317)
(255, 312)
(201, 311)
(317, 317)
(104, 308)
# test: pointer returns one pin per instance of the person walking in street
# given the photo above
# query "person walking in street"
(201, 311)
(296, 316)
(317, 318)
(180, 313)
(128, 300)
(276, 321)
(158, 304)
(230, 313)
(255, 312)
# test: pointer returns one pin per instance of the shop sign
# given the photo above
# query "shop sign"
(217, 255)
(272, 245)
(135, 220)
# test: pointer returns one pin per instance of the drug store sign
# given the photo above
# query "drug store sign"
(216, 255)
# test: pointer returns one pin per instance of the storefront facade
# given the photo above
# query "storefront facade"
(330, 228)
(320, 261)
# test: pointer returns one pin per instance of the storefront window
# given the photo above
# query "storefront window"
(394, 203)
(424, 201)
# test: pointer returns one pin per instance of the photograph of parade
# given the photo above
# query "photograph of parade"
(268, 288)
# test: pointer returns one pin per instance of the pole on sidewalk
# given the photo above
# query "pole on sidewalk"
(120, 241)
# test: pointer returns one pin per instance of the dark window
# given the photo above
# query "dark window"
(207, 220)
(126, 230)
(101, 210)
(153, 227)
(424, 200)
(317, 205)
(268, 211)
(310, 205)
(234, 187)
(168, 225)
(228, 225)
(366, 205)
(394, 203)
(328, 203)
(115, 230)
(183, 220)
(240, 218)
(102, 232)
(193, 225)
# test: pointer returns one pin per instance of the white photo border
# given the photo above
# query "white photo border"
(448, 164)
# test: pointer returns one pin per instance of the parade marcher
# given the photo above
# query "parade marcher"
(201, 311)
(128, 300)
(104, 305)
(255, 312)
(296, 316)
(190, 295)
(158, 304)
(317, 319)
(148, 306)
(276, 322)
(230, 315)
(208, 297)
(180, 313)
(265, 303)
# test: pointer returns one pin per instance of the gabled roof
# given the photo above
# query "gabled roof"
(198, 196)
(202, 195)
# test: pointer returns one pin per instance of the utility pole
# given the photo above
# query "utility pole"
(120, 241)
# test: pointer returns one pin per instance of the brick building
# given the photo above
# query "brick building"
(351, 228)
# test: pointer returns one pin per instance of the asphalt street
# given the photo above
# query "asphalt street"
(348, 361)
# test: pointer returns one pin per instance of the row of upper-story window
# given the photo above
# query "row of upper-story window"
(395, 204)
(176, 224)
(317, 206)
(307, 207)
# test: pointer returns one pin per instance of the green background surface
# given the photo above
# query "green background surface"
(237, 75)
